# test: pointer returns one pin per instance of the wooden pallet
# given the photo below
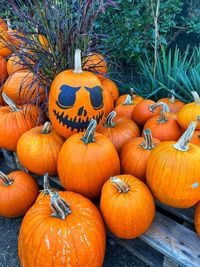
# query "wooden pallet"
(170, 241)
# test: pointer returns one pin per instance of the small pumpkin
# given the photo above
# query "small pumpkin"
(3, 70)
(169, 174)
(38, 149)
(126, 108)
(127, 206)
(76, 96)
(175, 105)
(190, 112)
(135, 153)
(134, 97)
(68, 222)
(22, 87)
(119, 129)
(164, 127)
(197, 218)
(79, 172)
(18, 192)
(14, 121)
(111, 87)
(97, 63)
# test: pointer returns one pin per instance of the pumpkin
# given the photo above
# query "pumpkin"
(175, 105)
(173, 173)
(135, 153)
(127, 206)
(119, 129)
(22, 87)
(111, 87)
(3, 25)
(75, 98)
(96, 62)
(38, 149)
(122, 98)
(77, 169)
(108, 102)
(164, 127)
(3, 70)
(190, 112)
(196, 138)
(14, 64)
(5, 51)
(126, 108)
(1, 101)
(197, 218)
(65, 231)
(144, 110)
(14, 37)
(18, 192)
(14, 121)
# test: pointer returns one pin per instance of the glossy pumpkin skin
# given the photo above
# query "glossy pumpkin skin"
(14, 64)
(111, 87)
(14, 124)
(170, 176)
(187, 114)
(174, 106)
(127, 215)
(195, 140)
(17, 198)
(3, 70)
(108, 102)
(18, 88)
(134, 157)
(74, 99)
(142, 113)
(38, 152)
(79, 240)
(197, 218)
(167, 131)
(123, 131)
(79, 172)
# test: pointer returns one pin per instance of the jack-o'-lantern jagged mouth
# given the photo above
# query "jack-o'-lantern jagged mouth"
(77, 123)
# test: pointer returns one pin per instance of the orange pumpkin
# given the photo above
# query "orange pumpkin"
(127, 206)
(22, 87)
(18, 192)
(122, 98)
(173, 173)
(14, 37)
(79, 172)
(119, 129)
(175, 105)
(3, 25)
(3, 70)
(135, 153)
(14, 64)
(164, 127)
(38, 149)
(195, 140)
(111, 87)
(97, 63)
(108, 102)
(16, 121)
(5, 51)
(190, 112)
(197, 218)
(68, 222)
(75, 98)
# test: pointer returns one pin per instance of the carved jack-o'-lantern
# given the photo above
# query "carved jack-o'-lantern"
(75, 98)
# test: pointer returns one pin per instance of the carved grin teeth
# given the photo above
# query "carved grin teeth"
(76, 123)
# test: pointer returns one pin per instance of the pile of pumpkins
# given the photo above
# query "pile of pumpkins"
(123, 150)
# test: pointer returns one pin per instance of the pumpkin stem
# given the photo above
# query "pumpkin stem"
(46, 127)
(88, 136)
(109, 120)
(119, 184)
(77, 62)
(6, 180)
(172, 98)
(10, 103)
(59, 207)
(131, 93)
(165, 107)
(128, 101)
(196, 97)
(182, 143)
(46, 186)
(162, 118)
(147, 144)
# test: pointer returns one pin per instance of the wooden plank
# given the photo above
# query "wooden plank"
(174, 240)
(183, 214)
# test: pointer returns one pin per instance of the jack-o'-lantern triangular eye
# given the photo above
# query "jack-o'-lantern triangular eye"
(96, 96)
(67, 96)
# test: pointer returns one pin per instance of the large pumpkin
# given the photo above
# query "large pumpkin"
(38, 149)
(75, 98)
(86, 161)
(3, 70)
(18, 192)
(127, 206)
(197, 218)
(66, 231)
(173, 173)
